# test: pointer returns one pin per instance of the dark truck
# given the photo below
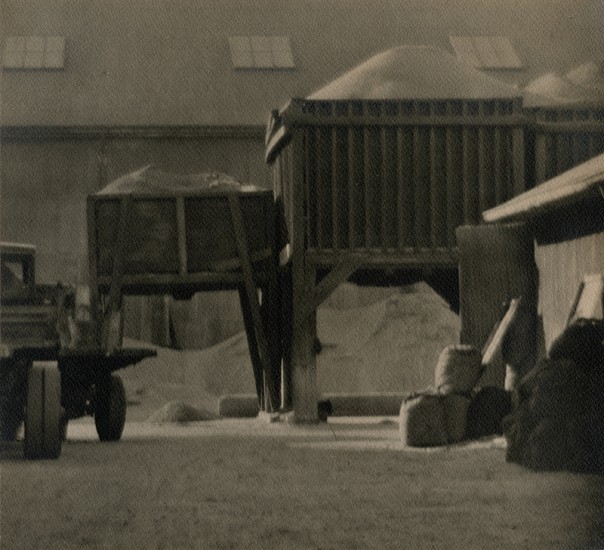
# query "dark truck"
(50, 371)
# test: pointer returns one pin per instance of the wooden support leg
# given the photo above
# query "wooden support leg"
(304, 375)
(251, 293)
(253, 347)
(286, 327)
(112, 322)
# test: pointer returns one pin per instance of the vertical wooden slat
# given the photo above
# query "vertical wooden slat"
(421, 176)
(367, 183)
(499, 166)
(95, 308)
(438, 207)
(352, 198)
(181, 235)
(545, 158)
(485, 160)
(389, 192)
(335, 198)
(315, 190)
(470, 169)
(454, 176)
(518, 183)
(405, 192)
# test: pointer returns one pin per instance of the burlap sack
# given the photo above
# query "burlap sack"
(422, 421)
(458, 369)
(455, 408)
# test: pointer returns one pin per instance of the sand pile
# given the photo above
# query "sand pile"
(177, 411)
(153, 180)
(581, 85)
(415, 72)
(374, 340)
(391, 345)
(195, 378)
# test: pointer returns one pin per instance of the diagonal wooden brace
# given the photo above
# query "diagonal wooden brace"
(255, 325)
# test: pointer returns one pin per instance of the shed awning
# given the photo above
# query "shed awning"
(574, 185)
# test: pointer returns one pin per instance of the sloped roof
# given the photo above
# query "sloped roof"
(415, 72)
(582, 181)
(167, 62)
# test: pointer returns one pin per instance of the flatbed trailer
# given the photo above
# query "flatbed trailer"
(45, 379)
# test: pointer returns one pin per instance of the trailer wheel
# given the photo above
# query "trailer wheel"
(43, 412)
(110, 409)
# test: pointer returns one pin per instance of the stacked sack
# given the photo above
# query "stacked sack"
(453, 409)
(558, 423)
(438, 416)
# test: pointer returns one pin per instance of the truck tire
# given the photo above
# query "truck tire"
(43, 411)
(13, 391)
(110, 409)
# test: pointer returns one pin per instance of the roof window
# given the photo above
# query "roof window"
(261, 52)
(486, 52)
(33, 52)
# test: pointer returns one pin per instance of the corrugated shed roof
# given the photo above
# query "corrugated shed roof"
(167, 62)
(579, 183)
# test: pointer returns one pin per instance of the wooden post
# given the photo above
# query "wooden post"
(304, 375)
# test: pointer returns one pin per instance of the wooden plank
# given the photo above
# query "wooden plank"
(492, 346)
(335, 195)
(438, 184)
(252, 343)
(303, 375)
(589, 301)
(411, 120)
(249, 284)
(181, 235)
(389, 218)
(95, 308)
(421, 188)
(304, 379)
(347, 265)
(470, 172)
(112, 323)
(454, 183)
(405, 188)
(352, 198)
(367, 183)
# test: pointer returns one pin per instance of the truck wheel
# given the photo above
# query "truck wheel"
(13, 391)
(43, 412)
(110, 409)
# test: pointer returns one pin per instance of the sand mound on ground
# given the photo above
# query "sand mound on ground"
(390, 345)
(373, 340)
(177, 411)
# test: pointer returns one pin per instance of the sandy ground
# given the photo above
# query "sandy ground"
(245, 483)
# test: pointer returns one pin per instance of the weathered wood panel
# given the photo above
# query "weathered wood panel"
(562, 266)
(564, 138)
(496, 264)
(396, 177)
